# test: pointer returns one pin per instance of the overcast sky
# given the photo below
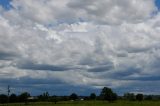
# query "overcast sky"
(65, 46)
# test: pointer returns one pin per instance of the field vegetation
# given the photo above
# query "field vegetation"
(106, 98)
(89, 103)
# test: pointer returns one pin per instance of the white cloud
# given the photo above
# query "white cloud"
(90, 43)
(113, 11)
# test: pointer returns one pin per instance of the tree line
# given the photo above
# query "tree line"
(106, 94)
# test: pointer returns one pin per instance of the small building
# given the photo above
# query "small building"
(32, 99)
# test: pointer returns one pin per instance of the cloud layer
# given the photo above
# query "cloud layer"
(83, 44)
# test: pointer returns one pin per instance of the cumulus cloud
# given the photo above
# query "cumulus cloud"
(115, 11)
(87, 44)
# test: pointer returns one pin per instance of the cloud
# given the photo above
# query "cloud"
(70, 11)
(101, 68)
(34, 66)
(113, 12)
(80, 44)
(7, 56)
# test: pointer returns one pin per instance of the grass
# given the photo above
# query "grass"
(90, 103)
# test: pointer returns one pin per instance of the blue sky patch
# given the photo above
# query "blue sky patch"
(5, 4)
(158, 4)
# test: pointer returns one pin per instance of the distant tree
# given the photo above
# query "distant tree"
(44, 97)
(46, 94)
(54, 99)
(148, 97)
(23, 97)
(64, 98)
(73, 96)
(13, 98)
(92, 96)
(130, 96)
(114, 97)
(108, 94)
(3, 98)
(40, 98)
(139, 97)
(86, 98)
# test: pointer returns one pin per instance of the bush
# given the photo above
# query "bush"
(73, 96)
(13, 98)
(130, 96)
(139, 97)
(108, 94)
(92, 96)
(3, 98)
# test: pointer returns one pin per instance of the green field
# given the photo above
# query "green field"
(90, 103)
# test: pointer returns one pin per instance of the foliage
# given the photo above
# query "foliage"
(54, 99)
(13, 98)
(23, 97)
(108, 94)
(44, 96)
(73, 96)
(3, 98)
(92, 103)
(139, 97)
(148, 97)
(92, 96)
(129, 96)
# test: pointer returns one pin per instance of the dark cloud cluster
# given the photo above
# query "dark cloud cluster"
(7, 56)
(34, 66)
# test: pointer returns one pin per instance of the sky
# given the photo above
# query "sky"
(66, 46)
